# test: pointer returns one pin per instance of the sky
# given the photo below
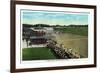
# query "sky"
(53, 17)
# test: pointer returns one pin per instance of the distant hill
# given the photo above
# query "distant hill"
(36, 25)
(47, 25)
(78, 26)
(27, 25)
(41, 25)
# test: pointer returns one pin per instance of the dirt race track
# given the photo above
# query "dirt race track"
(76, 42)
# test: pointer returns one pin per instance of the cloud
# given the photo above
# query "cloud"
(53, 17)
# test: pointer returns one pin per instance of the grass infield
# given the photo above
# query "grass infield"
(83, 31)
(38, 53)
